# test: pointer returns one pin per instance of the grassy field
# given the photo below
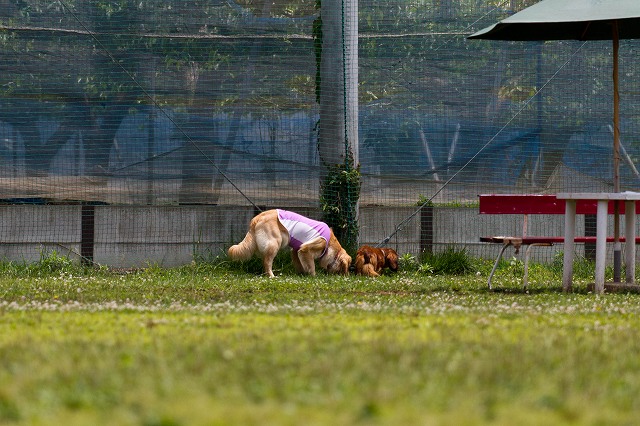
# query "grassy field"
(213, 344)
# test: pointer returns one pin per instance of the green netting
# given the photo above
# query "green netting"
(175, 103)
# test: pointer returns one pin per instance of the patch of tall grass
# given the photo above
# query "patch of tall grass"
(451, 261)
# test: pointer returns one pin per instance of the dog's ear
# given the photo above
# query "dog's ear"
(392, 260)
(346, 263)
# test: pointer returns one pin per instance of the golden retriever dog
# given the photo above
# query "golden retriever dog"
(310, 240)
(370, 260)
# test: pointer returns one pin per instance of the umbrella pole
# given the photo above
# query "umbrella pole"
(616, 112)
(617, 257)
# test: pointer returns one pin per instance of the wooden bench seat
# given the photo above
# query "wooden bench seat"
(552, 240)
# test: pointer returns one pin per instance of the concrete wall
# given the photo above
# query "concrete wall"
(29, 232)
(125, 236)
(166, 236)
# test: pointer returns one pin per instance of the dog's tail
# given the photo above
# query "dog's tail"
(369, 270)
(244, 249)
(363, 265)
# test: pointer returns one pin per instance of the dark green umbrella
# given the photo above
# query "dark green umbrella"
(568, 20)
(577, 20)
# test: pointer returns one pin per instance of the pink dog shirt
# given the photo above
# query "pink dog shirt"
(302, 229)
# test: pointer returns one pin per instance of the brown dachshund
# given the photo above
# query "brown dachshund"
(370, 260)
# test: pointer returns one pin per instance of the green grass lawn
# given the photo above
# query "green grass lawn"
(214, 345)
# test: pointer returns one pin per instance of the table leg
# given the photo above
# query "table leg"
(495, 265)
(630, 236)
(601, 244)
(569, 235)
